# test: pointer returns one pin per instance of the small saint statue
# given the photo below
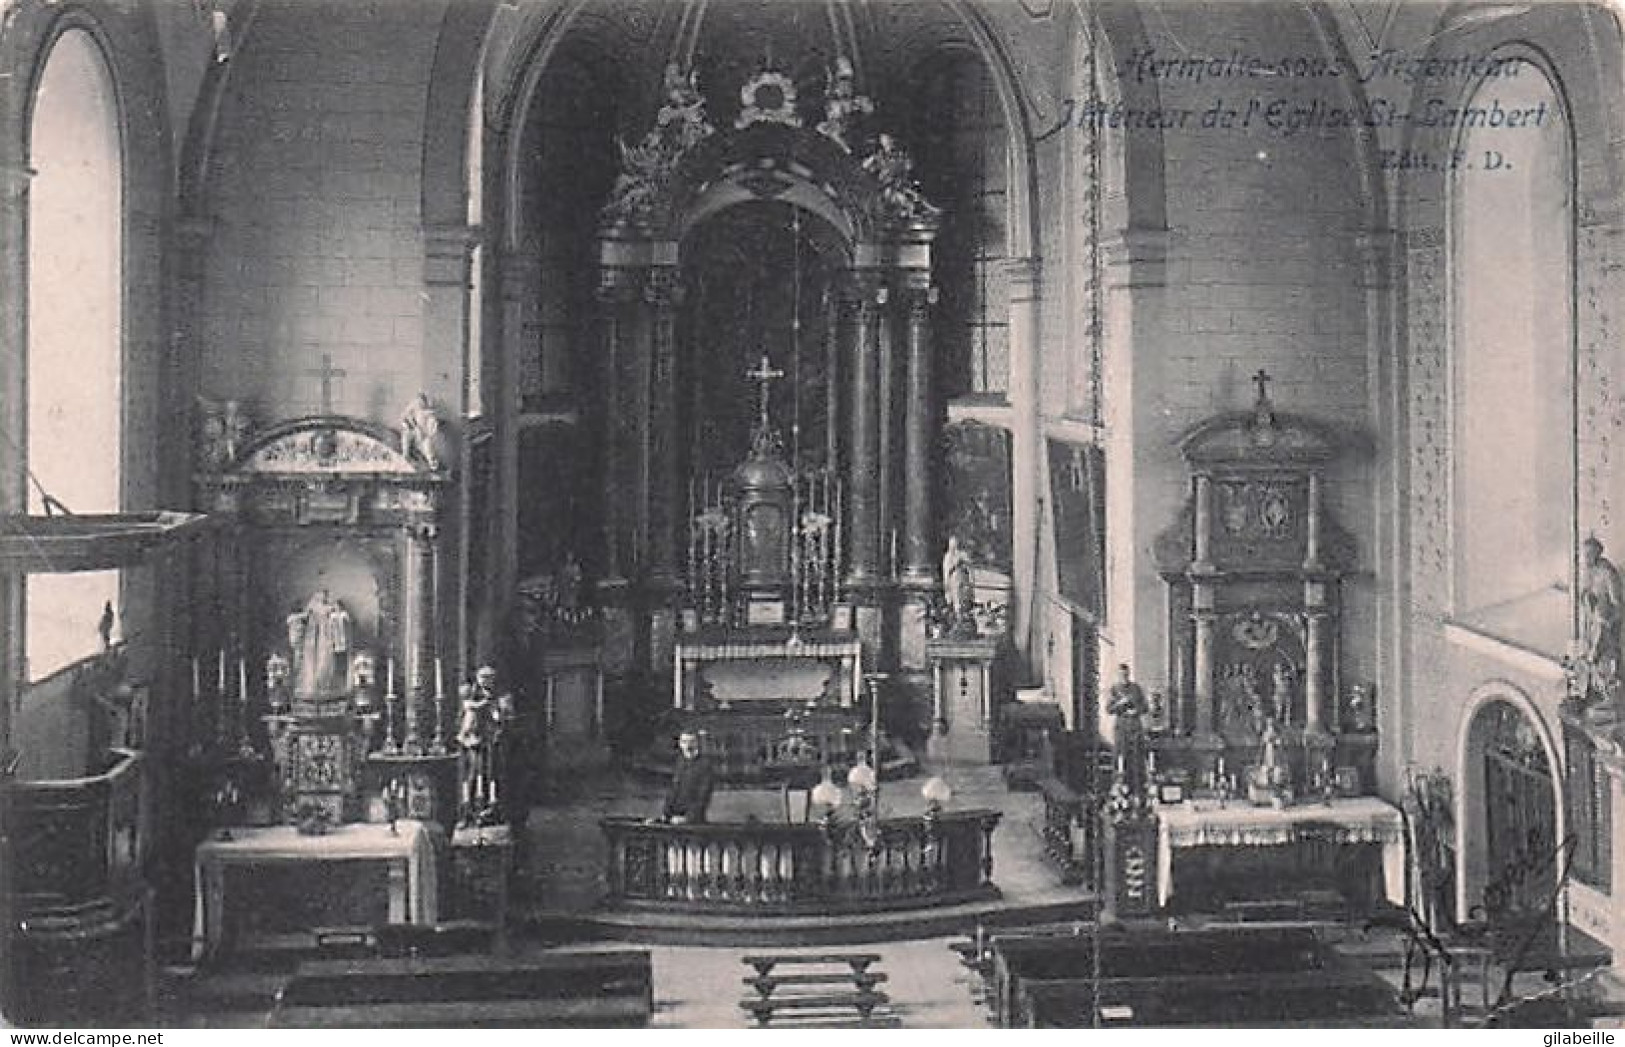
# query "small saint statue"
(277, 670)
(1600, 612)
(1282, 691)
(843, 105)
(420, 432)
(959, 589)
(479, 732)
(1126, 702)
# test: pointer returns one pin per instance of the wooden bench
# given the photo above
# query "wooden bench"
(768, 1003)
(858, 961)
(594, 989)
(1316, 1000)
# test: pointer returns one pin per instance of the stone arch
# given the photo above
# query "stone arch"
(1471, 739)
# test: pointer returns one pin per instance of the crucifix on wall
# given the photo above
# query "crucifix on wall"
(325, 374)
(764, 374)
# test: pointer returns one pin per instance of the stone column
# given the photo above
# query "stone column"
(663, 293)
(614, 298)
(418, 620)
(520, 276)
(14, 178)
(448, 254)
(1026, 280)
(919, 419)
(863, 483)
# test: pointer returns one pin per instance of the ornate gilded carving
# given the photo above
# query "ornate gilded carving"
(900, 196)
(767, 97)
(843, 105)
(647, 168)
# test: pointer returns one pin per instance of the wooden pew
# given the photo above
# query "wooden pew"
(1316, 999)
(1144, 954)
(592, 989)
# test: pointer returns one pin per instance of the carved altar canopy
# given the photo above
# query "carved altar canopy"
(1254, 565)
(325, 584)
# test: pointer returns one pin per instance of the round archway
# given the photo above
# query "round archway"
(1510, 822)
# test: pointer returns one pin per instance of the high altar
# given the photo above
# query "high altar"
(768, 534)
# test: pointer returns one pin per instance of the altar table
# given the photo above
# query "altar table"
(839, 663)
(1360, 819)
(409, 854)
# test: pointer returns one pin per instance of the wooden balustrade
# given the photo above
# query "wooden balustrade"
(838, 866)
(1071, 832)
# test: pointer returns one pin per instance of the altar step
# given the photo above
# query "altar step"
(786, 931)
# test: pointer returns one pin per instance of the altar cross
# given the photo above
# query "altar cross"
(325, 374)
(765, 374)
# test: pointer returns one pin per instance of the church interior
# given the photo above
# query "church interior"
(838, 513)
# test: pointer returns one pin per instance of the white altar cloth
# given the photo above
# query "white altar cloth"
(1359, 819)
(409, 852)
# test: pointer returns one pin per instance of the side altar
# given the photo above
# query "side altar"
(320, 601)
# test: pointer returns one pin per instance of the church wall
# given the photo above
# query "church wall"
(1263, 269)
(1448, 661)
(317, 245)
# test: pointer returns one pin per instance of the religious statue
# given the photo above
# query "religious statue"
(891, 166)
(319, 640)
(1126, 702)
(646, 168)
(485, 713)
(1600, 613)
(1282, 690)
(1270, 781)
(681, 120)
(959, 589)
(842, 104)
(223, 430)
(420, 432)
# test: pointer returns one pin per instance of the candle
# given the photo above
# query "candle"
(197, 679)
(389, 679)
(220, 680)
(439, 684)
(242, 679)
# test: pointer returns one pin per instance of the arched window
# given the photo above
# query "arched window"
(1512, 245)
(962, 162)
(75, 331)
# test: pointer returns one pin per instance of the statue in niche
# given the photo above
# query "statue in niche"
(959, 589)
(319, 640)
(843, 105)
(420, 432)
(1597, 668)
(1283, 691)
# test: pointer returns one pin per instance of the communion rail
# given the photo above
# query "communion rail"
(785, 869)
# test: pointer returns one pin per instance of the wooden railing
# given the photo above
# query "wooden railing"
(79, 844)
(768, 868)
(1071, 832)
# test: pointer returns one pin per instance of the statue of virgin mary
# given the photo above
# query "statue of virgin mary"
(319, 642)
